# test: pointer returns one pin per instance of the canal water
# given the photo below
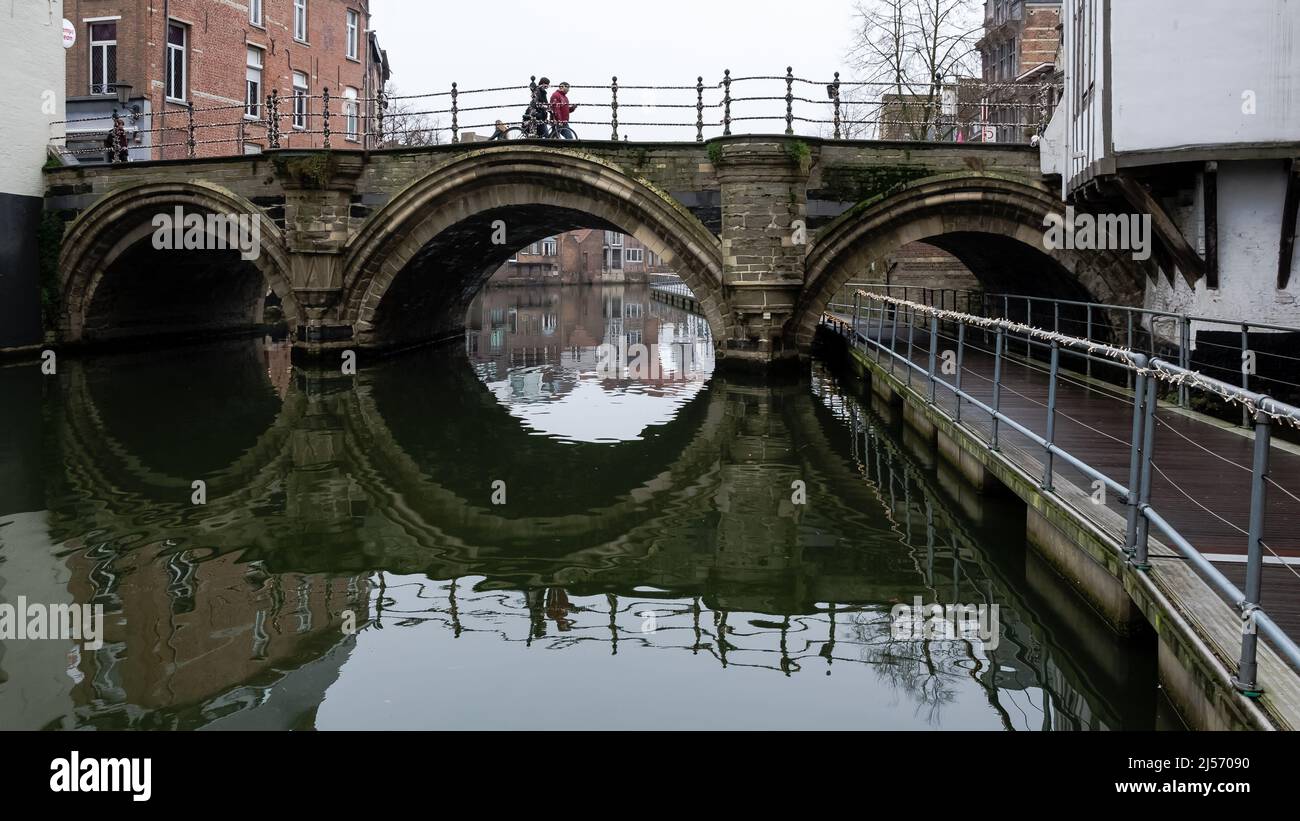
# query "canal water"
(569, 521)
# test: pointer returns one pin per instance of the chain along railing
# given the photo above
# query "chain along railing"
(1249, 353)
(874, 321)
(962, 110)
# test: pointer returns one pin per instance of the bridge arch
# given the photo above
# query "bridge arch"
(993, 224)
(109, 284)
(414, 267)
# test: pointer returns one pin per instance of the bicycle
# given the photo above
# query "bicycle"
(549, 131)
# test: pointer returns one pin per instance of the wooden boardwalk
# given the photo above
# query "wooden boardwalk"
(1201, 467)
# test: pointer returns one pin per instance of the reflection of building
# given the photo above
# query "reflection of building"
(581, 257)
(211, 624)
(219, 55)
(563, 328)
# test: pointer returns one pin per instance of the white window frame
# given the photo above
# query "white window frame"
(634, 255)
(613, 239)
(253, 76)
(301, 100)
(550, 247)
(351, 115)
(255, 13)
(300, 28)
(353, 34)
(184, 49)
(105, 87)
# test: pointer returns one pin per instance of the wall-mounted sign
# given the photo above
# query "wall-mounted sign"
(69, 33)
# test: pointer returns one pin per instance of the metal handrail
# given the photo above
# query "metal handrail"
(1135, 492)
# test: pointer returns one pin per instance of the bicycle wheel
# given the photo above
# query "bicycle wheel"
(568, 133)
(515, 133)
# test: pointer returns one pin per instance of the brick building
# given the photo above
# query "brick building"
(1020, 44)
(222, 58)
(582, 257)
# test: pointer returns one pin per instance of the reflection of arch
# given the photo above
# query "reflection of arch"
(447, 219)
(118, 222)
(993, 224)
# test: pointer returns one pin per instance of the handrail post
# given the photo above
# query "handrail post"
(934, 354)
(189, 111)
(325, 128)
(699, 109)
(613, 117)
(1051, 414)
(961, 355)
(857, 305)
(911, 342)
(1141, 558)
(1247, 668)
(1128, 378)
(273, 118)
(789, 99)
(1184, 356)
(999, 343)
(893, 341)
(1136, 448)
(726, 103)
(455, 115)
(880, 336)
(835, 96)
(1245, 371)
(1088, 359)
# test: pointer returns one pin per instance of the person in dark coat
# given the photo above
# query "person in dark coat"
(115, 142)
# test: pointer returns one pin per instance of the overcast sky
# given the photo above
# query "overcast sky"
(488, 43)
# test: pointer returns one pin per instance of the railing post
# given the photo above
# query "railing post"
(789, 99)
(880, 336)
(934, 355)
(1128, 379)
(273, 119)
(381, 107)
(190, 144)
(911, 342)
(325, 127)
(1029, 320)
(455, 115)
(893, 341)
(1247, 668)
(1088, 360)
(857, 305)
(1245, 371)
(1136, 448)
(999, 344)
(726, 103)
(1141, 558)
(961, 356)
(1184, 356)
(699, 109)
(835, 97)
(613, 108)
(1051, 414)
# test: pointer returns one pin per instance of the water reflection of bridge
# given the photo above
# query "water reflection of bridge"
(373, 495)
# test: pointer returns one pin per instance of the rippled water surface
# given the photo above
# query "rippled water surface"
(523, 538)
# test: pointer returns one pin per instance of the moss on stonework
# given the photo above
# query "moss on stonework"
(715, 154)
(798, 152)
(308, 171)
(49, 243)
(847, 183)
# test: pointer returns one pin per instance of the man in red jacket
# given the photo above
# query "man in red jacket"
(561, 108)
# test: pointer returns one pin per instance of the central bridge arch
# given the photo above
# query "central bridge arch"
(414, 267)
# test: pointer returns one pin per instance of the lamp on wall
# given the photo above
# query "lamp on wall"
(123, 91)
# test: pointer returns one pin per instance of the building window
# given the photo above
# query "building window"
(549, 247)
(635, 255)
(351, 114)
(252, 148)
(300, 97)
(177, 42)
(255, 12)
(103, 57)
(300, 20)
(354, 30)
(253, 94)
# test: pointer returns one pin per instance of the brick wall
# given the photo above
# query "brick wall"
(219, 34)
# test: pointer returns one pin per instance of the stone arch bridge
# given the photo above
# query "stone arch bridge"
(384, 250)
